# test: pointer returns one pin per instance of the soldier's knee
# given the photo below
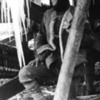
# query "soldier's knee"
(23, 75)
(26, 79)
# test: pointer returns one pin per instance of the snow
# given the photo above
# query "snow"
(4, 33)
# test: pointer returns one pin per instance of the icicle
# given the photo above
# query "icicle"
(28, 11)
(3, 11)
(28, 15)
(18, 20)
(18, 17)
(93, 2)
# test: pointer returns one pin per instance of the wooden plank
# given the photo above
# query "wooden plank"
(72, 48)
(10, 89)
(89, 97)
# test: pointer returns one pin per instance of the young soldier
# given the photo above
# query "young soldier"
(47, 64)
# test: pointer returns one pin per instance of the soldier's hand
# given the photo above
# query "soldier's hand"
(37, 61)
(31, 63)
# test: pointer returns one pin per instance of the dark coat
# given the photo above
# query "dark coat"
(52, 38)
(46, 38)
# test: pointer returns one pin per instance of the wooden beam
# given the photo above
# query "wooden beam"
(72, 48)
(10, 89)
(89, 97)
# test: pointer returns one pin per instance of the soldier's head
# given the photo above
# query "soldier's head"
(53, 2)
(60, 4)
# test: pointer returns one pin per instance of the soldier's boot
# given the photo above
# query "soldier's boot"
(38, 95)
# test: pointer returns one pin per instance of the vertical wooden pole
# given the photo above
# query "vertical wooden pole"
(72, 48)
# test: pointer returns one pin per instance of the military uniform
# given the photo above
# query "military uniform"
(50, 45)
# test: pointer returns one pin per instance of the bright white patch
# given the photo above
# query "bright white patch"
(31, 44)
(71, 2)
(4, 33)
(47, 2)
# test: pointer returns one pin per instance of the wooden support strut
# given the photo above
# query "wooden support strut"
(72, 48)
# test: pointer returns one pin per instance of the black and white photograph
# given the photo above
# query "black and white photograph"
(49, 50)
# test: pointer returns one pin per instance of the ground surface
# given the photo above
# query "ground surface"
(28, 95)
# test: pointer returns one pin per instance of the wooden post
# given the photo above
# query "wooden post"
(72, 48)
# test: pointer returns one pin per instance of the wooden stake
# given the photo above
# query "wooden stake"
(72, 48)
